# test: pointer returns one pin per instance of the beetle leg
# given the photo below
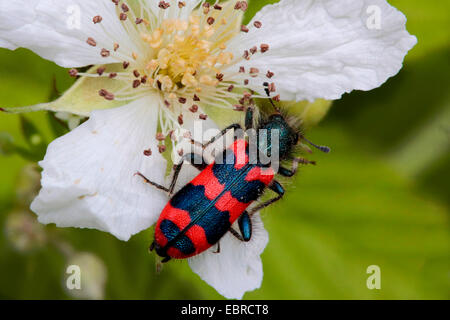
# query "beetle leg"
(290, 172)
(276, 187)
(234, 126)
(236, 234)
(222, 133)
(249, 118)
(218, 248)
(197, 161)
(245, 228)
(156, 185)
(177, 168)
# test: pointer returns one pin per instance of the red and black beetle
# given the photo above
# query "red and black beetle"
(204, 210)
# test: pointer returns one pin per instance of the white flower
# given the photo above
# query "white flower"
(166, 57)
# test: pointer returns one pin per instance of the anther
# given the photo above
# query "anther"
(181, 4)
(125, 7)
(163, 5)
(125, 64)
(194, 108)
(116, 46)
(246, 82)
(112, 75)
(97, 19)
(123, 16)
(160, 136)
(182, 100)
(139, 20)
(219, 76)
(180, 119)
(246, 55)
(144, 79)
(105, 53)
(162, 148)
(196, 98)
(136, 83)
(167, 103)
(243, 5)
(254, 72)
(101, 70)
(272, 87)
(230, 88)
(206, 7)
(217, 7)
(136, 73)
(91, 42)
(244, 28)
(277, 98)
(116, 2)
(210, 20)
(73, 72)
(257, 24)
(242, 69)
(253, 50)
(105, 94)
(264, 47)
(148, 152)
(203, 116)
(270, 74)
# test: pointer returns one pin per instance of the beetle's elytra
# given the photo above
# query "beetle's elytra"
(204, 210)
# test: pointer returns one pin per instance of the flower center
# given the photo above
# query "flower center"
(179, 51)
(187, 54)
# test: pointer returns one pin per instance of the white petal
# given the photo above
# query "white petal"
(88, 179)
(325, 48)
(237, 268)
(58, 29)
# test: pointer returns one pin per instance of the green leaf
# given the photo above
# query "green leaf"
(428, 23)
(33, 137)
(8, 147)
(59, 127)
(6, 144)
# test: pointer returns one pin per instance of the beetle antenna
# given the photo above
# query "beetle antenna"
(266, 89)
(324, 149)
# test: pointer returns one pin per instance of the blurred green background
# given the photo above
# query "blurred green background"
(380, 198)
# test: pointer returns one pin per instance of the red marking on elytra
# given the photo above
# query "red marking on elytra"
(180, 217)
(212, 185)
(228, 203)
(264, 175)
(239, 149)
(198, 237)
(175, 253)
(182, 220)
